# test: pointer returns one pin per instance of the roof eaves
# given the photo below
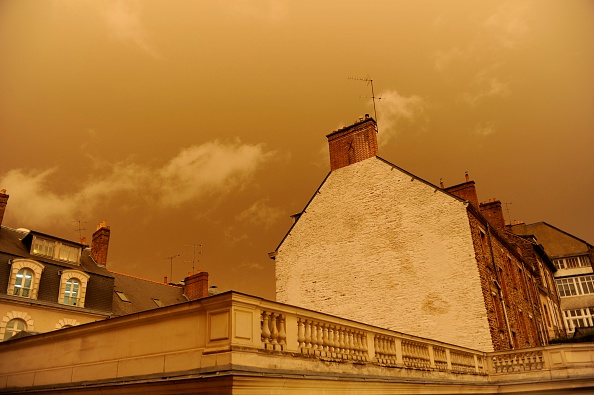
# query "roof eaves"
(302, 211)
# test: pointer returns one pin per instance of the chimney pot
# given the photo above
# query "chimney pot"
(165, 280)
(467, 177)
(441, 183)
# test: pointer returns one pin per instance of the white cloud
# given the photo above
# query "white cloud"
(394, 108)
(213, 168)
(124, 23)
(508, 24)
(488, 88)
(261, 214)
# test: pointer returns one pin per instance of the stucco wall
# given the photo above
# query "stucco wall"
(378, 246)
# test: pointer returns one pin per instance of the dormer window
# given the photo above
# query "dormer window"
(55, 249)
(23, 283)
(73, 288)
(25, 275)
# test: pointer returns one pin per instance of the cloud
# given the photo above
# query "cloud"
(508, 23)
(124, 23)
(394, 108)
(213, 168)
(260, 214)
(484, 130)
(487, 88)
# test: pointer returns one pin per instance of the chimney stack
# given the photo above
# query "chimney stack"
(3, 202)
(100, 244)
(353, 143)
(466, 191)
(196, 286)
(493, 211)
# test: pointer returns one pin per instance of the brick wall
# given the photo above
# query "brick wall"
(379, 246)
(100, 244)
(196, 286)
(518, 290)
(353, 143)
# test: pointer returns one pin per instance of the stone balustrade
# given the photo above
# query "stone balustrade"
(216, 335)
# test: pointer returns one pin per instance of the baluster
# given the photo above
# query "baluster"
(321, 339)
(308, 338)
(282, 333)
(314, 337)
(300, 334)
(325, 345)
(341, 342)
(359, 343)
(274, 329)
(265, 329)
(331, 349)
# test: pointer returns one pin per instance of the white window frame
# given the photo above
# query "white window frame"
(15, 315)
(583, 285)
(16, 266)
(83, 279)
(572, 262)
(586, 315)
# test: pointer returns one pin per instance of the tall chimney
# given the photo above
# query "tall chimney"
(3, 202)
(100, 244)
(196, 286)
(466, 191)
(493, 211)
(353, 143)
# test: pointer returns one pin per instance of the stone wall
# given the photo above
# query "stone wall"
(380, 246)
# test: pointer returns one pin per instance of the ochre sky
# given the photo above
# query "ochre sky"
(203, 122)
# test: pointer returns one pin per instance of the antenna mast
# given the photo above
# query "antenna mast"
(171, 263)
(369, 82)
(80, 228)
(194, 255)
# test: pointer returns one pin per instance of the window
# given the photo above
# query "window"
(66, 323)
(158, 302)
(579, 318)
(14, 322)
(54, 249)
(24, 278)
(572, 262)
(73, 287)
(23, 283)
(13, 327)
(122, 296)
(573, 286)
(72, 292)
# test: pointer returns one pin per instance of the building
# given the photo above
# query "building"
(573, 258)
(380, 245)
(49, 283)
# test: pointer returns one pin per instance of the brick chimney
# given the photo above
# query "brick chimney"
(3, 202)
(353, 143)
(466, 191)
(196, 286)
(100, 244)
(493, 211)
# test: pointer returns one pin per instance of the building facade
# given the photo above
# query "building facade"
(574, 277)
(49, 283)
(380, 245)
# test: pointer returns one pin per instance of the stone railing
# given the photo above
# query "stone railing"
(232, 330)
(289, 329)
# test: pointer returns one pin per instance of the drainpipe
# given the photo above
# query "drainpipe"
(498, 283)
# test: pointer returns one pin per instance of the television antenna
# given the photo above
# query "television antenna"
(171, 263)
(80, 227)
(373, 97)
(194, 246)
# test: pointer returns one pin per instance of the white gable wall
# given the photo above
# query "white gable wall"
(382, 248)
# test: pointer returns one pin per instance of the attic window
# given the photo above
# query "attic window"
(55, 250)
(158, 302)
(122, 296)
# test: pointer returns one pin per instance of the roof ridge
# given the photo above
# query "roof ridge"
(144, 279)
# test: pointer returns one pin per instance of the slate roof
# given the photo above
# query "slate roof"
(141, 294)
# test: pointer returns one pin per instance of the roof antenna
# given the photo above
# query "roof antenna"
(171, 262)
(194, 255)
(80, 228)
(507, 209)
(369, 82)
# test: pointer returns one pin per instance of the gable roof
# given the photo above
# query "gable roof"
(141, 294)
(271, 255)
